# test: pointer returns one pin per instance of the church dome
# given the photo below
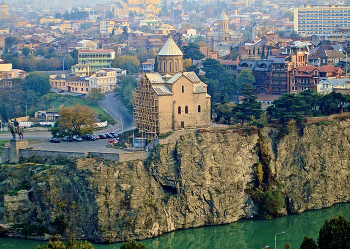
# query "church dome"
(170, 48)
(223, 16)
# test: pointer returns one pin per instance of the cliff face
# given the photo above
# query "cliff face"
(202, 179)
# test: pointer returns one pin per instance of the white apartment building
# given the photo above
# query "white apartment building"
(321, 19)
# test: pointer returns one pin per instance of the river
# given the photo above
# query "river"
(244, 234)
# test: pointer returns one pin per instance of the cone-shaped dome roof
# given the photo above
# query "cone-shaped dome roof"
(170, 48)
(223, 16)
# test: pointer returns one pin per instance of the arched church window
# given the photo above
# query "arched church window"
(179, 110)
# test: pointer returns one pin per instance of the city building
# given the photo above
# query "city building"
(80, 70)
(3, 11)
(121, 8)
(170, 99)
(223, 34)
(308, 77)
(105, 79)
(321, 19)
(96, 59)
(148, 66)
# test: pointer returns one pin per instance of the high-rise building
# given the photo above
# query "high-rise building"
(321, 20)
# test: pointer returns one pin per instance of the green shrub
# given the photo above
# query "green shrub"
(272, 202)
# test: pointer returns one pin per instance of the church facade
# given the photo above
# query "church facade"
(122, 8)
(170, 99)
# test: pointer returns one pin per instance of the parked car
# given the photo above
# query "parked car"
(55, 140)
(113, 134)
(67, 139)
(88, 137)
(61, 91)
(109, 135)
(113, 140)
(77, 138)
(103, 136)
(97, 136)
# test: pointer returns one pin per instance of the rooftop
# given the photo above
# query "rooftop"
(170, 48)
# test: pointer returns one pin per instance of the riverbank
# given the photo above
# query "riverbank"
(243, 234)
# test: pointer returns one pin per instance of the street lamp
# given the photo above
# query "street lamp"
(276, 239)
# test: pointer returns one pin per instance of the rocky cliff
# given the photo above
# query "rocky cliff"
(202, 179)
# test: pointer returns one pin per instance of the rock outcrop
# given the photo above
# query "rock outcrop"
(202, 179)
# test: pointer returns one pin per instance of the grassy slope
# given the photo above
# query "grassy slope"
(67, 100)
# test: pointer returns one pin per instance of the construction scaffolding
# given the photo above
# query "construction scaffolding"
(146, 110)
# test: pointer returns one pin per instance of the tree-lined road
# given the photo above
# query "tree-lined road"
(110, 104)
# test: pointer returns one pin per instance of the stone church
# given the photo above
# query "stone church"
(122, 8)
(223, 34)
(3, 11)
(170, 99)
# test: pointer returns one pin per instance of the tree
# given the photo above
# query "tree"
(126, 90)
(145, 28)
(308, 243)
(11, 40)
(289, 14)
(249, 108)
(332, 103)
(132, 245)
(76, 120)
(191, 51)
(335, 234)
(38, 82)
(25, 51)
(224, 111)
(245, 77)
(213, 68)
(72, 243)
(156, 64)
(96, 95)
(294, 35)
(289, 107)
(126, 62)
(74, 55)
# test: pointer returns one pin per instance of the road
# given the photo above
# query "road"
(110, 104)
(118, 112)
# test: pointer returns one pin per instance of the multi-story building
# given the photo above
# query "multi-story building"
(308, 77)
(321, 20)
(96, 59)
(105, 79)
(80, 70)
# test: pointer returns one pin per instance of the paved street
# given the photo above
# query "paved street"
(118, 112)
(110, 105)
(83, 146)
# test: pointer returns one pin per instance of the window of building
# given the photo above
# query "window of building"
(316, 73)
(183, 89)
(186, 109)
(294, 72)
(82, 89)
(179, 110)
(199, 108)
(87, 89)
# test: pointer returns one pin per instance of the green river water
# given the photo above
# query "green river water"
(244, 234)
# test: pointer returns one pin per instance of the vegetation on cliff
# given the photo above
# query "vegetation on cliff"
(72, 243)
